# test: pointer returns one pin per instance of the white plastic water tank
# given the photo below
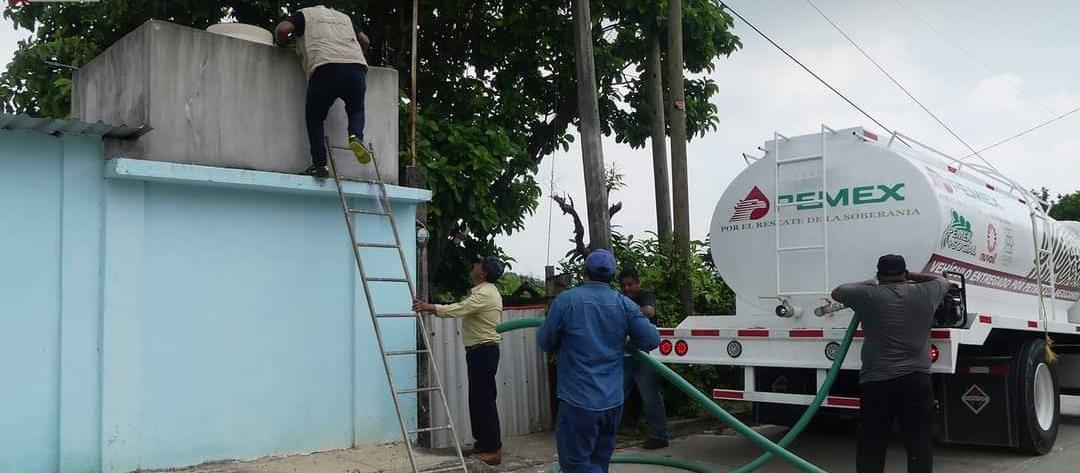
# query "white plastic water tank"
(243, 31)
(883, 198)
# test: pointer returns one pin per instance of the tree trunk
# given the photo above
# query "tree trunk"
(680, 193)
(591, 150)
(655, 95)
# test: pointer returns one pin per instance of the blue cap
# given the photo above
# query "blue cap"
(600, 263)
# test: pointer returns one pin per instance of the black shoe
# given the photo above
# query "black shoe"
(316, 171)
(654, 443)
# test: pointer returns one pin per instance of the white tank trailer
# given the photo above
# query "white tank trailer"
(818, 210)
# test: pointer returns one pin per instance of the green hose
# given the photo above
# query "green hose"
(771, 448)
(822, 393)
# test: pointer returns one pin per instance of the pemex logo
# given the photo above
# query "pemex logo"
(753, 207)
(958, 236)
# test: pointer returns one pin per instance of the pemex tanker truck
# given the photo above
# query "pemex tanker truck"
(818, 210)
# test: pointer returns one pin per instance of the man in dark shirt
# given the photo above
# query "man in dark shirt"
(646, 380)
(897, 311)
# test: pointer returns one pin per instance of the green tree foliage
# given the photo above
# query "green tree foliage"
(496, 86)
(511, 282)
(1067, 207)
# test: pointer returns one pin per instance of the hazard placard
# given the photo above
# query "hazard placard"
(975, 399)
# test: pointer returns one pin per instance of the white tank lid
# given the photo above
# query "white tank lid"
(243, 31)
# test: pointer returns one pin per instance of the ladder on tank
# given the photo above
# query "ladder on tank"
(821, 199)
(383, 210)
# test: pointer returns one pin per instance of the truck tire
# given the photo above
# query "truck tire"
(1038, 402)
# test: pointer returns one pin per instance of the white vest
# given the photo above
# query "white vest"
(328, 38)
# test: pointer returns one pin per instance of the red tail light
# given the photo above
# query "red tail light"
(934, 353)
(665, 347)
(681, 347)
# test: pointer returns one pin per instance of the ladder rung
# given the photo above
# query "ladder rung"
(430, 429)
(445, 468)
(1044, 251)
(801, 248)
(396, 316)
(387, 280)
(376, 245)
(368, 212)
(406, 352)
(418, 390)
(799, 159)
(343, 148)
(802, 202)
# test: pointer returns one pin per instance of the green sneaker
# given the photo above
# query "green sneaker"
(358, 148)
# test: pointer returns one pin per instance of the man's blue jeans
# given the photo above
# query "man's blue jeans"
(651, 402)
(586, 439)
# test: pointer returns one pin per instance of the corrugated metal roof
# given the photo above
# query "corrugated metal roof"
(53, 126)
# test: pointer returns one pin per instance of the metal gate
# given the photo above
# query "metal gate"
(524, 394)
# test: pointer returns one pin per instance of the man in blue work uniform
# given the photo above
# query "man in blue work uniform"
(587, 329)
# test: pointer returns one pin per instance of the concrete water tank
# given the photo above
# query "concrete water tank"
(215, 101)
(243, 31)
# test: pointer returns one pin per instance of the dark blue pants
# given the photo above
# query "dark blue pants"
(648, 385)
(586, 439)
(908, 400)
(328, 83)
(483, 363)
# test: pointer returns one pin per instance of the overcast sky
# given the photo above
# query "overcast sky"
(1031, 44)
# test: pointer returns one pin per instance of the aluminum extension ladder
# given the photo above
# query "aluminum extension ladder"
(383, 210)
(821, 200)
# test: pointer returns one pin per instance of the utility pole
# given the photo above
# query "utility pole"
(591, 149)
(680, 194)
(654, 84)
(412, 82)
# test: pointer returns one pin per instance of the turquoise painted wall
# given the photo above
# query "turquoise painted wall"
(153, 319)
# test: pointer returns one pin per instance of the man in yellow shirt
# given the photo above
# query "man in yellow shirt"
(480, 312)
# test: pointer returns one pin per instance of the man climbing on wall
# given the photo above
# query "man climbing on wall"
(646, 380)
(332, 54)
(897, 311)
(587, 329)
(480, 312)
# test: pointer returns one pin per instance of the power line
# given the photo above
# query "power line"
(975, 58)
(805, 68)
(898, 84)
(1022, 133)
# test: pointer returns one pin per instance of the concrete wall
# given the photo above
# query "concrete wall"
(222, 101)
(159, 315)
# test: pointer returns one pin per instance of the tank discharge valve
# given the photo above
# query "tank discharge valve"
(787, 311)
(829, 309)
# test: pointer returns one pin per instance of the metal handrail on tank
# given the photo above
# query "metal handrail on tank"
(986, 171)
(1037, 208)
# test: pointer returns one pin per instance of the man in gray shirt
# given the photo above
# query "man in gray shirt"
(897, 310)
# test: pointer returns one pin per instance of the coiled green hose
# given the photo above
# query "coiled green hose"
(771, 449)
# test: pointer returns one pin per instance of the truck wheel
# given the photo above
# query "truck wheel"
(1038, 405)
